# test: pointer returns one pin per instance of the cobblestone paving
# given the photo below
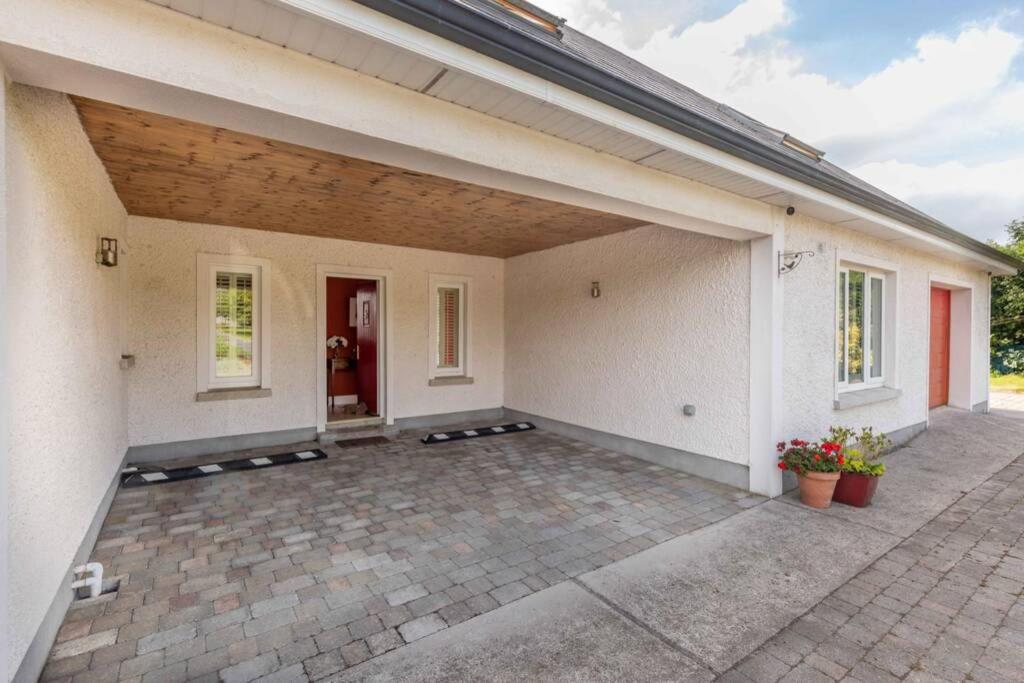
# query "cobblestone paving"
(944, 605)
(299, 571)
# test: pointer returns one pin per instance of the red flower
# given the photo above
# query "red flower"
(817, 458)
(782, 465)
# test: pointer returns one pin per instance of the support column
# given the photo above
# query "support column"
(5, 496)
(766, 358)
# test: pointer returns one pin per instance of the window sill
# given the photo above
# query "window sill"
(232, 394)
(449, 381)
(865, 397)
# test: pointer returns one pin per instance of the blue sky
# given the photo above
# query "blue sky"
(851, 40)
(924, 99)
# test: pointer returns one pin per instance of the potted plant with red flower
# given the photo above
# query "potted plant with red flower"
(816, 466)
(858, 480)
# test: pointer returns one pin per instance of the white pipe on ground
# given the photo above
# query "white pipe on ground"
(94, 582)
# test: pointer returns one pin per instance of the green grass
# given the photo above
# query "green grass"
(1007, 383)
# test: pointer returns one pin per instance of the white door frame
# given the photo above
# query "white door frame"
(961, 341)
(385, 338)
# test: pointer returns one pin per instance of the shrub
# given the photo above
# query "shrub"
(1008, 360)
(866, 449)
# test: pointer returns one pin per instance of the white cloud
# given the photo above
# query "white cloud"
(979, 199)
(999, 178)
(952, 93)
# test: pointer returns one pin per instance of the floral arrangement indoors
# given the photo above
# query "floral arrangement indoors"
(337, 343)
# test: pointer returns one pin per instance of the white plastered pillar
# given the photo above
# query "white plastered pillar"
(4, 397)
(766, 358)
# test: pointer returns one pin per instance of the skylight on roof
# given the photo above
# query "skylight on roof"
(533, 14)
(802, 147)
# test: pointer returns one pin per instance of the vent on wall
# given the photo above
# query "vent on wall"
(533, 14)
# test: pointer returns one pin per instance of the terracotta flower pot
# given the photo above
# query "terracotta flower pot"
(855, 489)
(816, 488)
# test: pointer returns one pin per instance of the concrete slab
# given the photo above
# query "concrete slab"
(720, 592)
(959, 451)
(562, 633)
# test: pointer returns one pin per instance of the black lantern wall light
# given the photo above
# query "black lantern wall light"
(107, 253)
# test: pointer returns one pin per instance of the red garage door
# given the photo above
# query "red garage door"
(938, 367)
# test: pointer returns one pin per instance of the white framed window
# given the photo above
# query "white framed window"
(449, 336)
(232, 322)
(863, 327)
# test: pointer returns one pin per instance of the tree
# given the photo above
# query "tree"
(1008, 308)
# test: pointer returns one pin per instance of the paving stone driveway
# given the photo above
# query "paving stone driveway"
(944, 605)
(302, 570)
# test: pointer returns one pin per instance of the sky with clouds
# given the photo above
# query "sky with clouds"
(923, 98)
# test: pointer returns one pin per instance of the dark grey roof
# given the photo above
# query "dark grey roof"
(583, 64)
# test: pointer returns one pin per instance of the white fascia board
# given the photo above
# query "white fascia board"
(206, 73)
(401, 35)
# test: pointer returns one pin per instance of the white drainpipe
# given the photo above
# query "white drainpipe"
(94, 582)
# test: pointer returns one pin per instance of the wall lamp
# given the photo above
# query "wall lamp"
(107, 253)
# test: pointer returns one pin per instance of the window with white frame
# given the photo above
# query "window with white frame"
(232, 322)
(448, 336)
(862, 328)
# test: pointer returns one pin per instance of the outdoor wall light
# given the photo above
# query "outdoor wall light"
(595, 289)
(107, 254)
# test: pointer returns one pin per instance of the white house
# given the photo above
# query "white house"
(529, 225)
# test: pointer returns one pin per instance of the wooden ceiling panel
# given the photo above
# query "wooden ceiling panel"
(165, 167)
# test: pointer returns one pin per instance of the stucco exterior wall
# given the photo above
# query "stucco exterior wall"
(670, 328)
(66, 420)
(162, 312)
(810, 321)
(5, 394)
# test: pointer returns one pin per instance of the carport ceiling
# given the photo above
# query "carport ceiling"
(165, 167)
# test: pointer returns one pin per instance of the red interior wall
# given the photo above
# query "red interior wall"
(339, 291)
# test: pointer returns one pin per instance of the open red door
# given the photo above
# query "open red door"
(366, 343)
(938, 362)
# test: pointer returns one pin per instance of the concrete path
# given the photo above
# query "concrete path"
(695, 606)
(1007, 403)
(718, 593)
(562, 633)
(944, 605)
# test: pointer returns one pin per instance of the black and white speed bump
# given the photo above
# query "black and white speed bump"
(133, 476)
(444, 437)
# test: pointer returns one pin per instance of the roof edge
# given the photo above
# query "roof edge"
(516, 48)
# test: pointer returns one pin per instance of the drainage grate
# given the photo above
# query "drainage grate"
(362, 441)
(133, 476)
(443, 437)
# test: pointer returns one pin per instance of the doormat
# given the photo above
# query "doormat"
(141, 475)
(443, 437)
(362, 441)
